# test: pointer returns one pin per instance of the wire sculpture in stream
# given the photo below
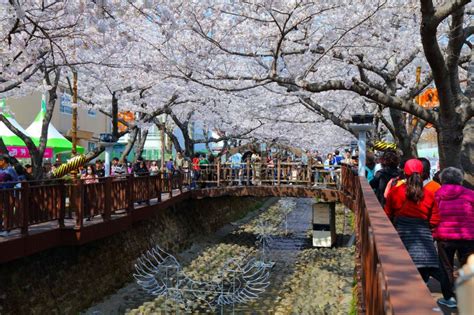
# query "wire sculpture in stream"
(239, 281)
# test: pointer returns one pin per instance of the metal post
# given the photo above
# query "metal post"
(218, 164)
(108, 199)
(108, 153)
(24, 208)
(362, 143)
(278, 171)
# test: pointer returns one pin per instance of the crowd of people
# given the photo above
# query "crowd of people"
(434, 217)
(192, 168)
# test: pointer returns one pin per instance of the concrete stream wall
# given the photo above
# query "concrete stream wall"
(69, 279)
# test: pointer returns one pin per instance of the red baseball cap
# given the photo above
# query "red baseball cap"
(413, 166)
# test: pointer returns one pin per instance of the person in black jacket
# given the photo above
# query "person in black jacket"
(140, 167)
(390, 161)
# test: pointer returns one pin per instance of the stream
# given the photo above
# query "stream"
(303, 279)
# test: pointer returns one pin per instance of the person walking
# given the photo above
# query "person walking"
(154, 168)
(390, 161)
(140, 168)
(170, 167)
(348, 158)
(455, 232)
(236, 160)
(117, 168)
(90, 177)
(337, 158)
(11, 176)
(414, 212)
(196, 171)
(179, 162)
(329, 169)
(99, 168)
(428, 183)
(257, 169)
(370, 166)
(187, 171)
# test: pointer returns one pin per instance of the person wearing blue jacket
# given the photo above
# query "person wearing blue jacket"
(5, 167)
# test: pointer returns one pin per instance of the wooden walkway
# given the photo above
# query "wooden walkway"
(70, 222)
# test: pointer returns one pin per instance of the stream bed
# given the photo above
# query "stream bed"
(303, 279)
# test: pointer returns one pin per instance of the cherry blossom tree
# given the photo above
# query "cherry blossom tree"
(316, 47)
(41, 40)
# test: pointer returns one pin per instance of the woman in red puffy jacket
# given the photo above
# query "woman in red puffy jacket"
(414, 213)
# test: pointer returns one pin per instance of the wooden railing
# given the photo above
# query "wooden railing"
(54, 200)
(388, 281)
(34, 202)
(259, 173)
(28, 204)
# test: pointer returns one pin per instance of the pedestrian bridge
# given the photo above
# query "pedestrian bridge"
(48, 214)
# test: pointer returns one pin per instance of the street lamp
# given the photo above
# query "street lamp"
(362, 123)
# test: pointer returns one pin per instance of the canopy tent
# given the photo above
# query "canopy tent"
(8, 137)
(56, 140)
(15, 145)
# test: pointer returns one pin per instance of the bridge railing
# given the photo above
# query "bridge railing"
(262, 173)
(35, 202)
(388, 281)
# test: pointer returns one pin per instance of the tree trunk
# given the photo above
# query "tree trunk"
(141, 144)
(114, 117)
(450, 138)
(37, 165)
(3, 148)
(188, 143)
(408, 149)
(406, 142)
(130, 143)
(175, 141)
(467, 154)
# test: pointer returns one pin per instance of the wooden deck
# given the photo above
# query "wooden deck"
(49, 234)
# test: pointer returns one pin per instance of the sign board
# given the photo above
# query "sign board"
(324, 224)
(23, 153)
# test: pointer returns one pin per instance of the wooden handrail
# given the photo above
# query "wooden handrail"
(388, 281)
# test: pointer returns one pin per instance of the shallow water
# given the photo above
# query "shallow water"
(299, 273)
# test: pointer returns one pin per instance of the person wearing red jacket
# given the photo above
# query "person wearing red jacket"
(196, 171)
(414, 212)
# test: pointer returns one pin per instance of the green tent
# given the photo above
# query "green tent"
(8, 137)
(56, 140)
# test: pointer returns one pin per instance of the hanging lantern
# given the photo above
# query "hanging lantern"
(384, 146)
(427, 99)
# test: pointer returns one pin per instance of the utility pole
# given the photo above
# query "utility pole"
(74, 113)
